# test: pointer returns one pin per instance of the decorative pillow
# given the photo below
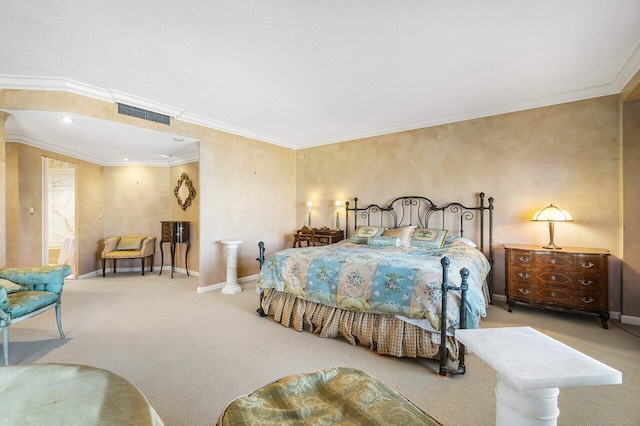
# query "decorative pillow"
(129, 243)
(462, 240)
(403, 234)
(10, 286)
(382, 241)
(427, 237)
(364, 233)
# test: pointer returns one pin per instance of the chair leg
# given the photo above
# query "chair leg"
(114, 266)
(59, 320)
(104, 266)
(151, 263)
(5, 344)
(142, 258)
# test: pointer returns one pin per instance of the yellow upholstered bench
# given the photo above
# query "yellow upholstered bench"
(132, 246)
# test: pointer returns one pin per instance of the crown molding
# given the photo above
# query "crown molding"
(37, 143)
(110, 95)
(40, 144)
(216, 125)
(628, 70)
(572, 96)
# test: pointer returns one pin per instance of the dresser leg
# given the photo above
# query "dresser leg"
(510, 303)
(604, 317)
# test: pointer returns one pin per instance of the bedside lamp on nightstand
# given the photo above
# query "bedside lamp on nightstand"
(552, 214)
(338, 205)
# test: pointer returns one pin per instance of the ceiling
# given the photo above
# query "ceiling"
(305, 73)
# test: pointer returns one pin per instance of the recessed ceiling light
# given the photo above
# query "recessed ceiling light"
(178, 139)
(66, 119)
(167, 155)
(125, 159)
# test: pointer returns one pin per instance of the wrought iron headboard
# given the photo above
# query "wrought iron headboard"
(458, 219)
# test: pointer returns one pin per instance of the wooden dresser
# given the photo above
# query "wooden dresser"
(571, 279)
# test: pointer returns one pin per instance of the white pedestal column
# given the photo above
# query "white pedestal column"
(533, 407)
(232, 286)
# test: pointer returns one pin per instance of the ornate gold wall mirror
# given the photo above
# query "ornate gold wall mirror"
(184, 191)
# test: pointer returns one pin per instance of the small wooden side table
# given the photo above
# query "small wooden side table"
(174, 233)
(315, 236)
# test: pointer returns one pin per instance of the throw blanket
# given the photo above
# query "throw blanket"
(386, 280)
(334, 396)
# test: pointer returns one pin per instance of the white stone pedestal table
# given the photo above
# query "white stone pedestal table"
(530, 367)
(232, 286)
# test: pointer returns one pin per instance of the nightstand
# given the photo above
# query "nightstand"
(315, 236)
(570, 279)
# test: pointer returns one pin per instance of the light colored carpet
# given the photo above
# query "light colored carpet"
(191, 353)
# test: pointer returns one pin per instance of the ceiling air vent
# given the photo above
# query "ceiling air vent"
(143, 114)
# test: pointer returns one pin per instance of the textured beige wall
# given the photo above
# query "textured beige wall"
(3, 192)
(248, 194)
(26, 229)
(565, 154)
(191, 215)
(136, 199)
(631, 269)
(12, 205)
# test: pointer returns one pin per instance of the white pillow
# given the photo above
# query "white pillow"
(403, 234)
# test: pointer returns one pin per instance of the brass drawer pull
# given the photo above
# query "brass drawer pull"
(585, 300)
(524, 259)
(524, 275)
(553, 261)
(585, 282)
(553, 294)
(587, 265)
(553, 277)
(524, 291)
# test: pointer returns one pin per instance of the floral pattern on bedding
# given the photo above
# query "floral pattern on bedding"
(392, 280)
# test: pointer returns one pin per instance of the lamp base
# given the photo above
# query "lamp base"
(552, 247)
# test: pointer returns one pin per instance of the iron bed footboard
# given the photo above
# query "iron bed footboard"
(464, 286)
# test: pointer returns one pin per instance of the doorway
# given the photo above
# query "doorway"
(59, 213)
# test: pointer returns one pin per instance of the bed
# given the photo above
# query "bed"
(387, 284)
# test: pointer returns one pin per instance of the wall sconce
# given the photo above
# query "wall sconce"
(338, 205)
(552, 214)
(309, 207)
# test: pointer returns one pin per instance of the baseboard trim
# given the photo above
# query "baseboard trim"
(156, 269)
(628, 319)
(612, 314)
(212, 287)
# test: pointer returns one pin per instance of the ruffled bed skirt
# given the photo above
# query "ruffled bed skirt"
(385, 334)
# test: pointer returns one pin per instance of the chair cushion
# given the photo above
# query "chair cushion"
(10, 286)
(25, 302)
(45, 278)
(129, 243)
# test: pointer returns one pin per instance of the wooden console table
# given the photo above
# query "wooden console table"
(174, 233)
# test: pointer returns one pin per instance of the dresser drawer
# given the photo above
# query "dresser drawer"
(572, 298)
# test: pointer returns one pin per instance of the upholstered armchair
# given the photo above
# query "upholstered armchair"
(132, 246)
(27, 292)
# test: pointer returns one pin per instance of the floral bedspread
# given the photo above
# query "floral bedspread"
(387, 280)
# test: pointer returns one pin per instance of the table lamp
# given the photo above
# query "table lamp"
(552, 214)
(338, 205)
(309, 207)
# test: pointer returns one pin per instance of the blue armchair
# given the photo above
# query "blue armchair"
(27, 292)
